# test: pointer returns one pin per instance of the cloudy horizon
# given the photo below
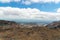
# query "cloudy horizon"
(30, 9)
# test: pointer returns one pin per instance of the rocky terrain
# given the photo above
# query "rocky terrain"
(10, 30)
(55, 24)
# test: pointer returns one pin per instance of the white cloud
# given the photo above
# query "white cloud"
(58, 10)
(27, 13)
(27, 2)
(40, 1)
(35, 1)
(7, 1)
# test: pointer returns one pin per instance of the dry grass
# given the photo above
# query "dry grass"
(34, 33)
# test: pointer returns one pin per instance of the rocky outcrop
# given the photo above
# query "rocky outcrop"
(55, 24)
(4, 24)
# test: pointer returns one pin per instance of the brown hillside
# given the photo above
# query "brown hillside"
(34, 33)
(20, 32)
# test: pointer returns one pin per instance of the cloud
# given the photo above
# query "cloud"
(27, 2)
(7, 1)
(40, 1)
(27, 13)
(58, 10)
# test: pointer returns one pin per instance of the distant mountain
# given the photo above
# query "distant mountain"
(28, 21)
(5, 22)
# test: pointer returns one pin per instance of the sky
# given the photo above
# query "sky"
(30, 9)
